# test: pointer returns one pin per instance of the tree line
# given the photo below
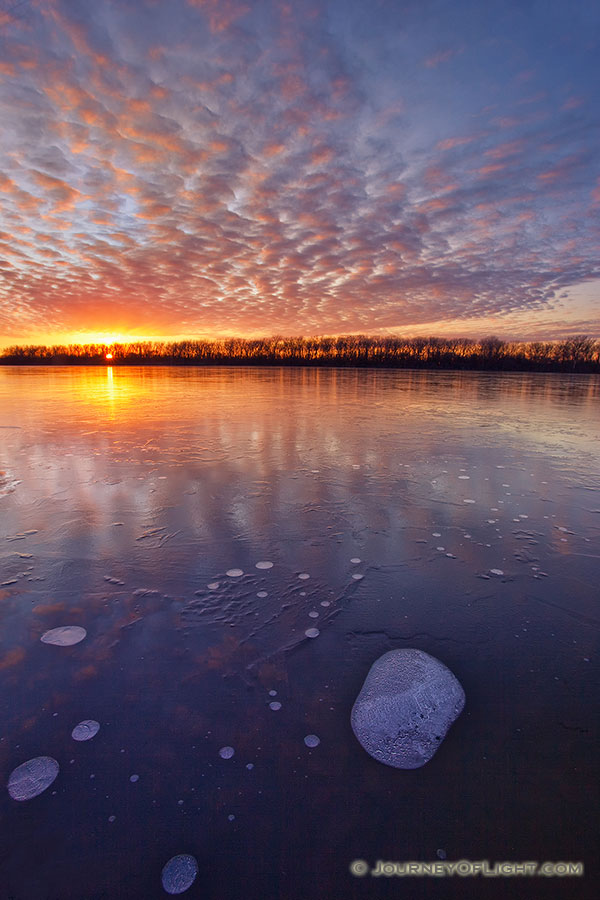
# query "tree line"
(578, 353)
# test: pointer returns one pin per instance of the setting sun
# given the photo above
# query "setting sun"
(108, 356)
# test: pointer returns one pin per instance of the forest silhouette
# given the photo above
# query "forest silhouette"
(578, 353)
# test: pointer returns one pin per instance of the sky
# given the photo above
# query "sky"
(202, 168)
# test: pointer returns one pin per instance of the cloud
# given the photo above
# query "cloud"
(221, 167)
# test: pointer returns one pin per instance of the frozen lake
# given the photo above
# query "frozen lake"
(458, 513)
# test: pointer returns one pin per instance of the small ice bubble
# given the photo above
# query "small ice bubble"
(213, 585)
(231, 817)
(64, 636)
(325, 603)
(355, 560)
(234, 573)
(179, 873)
(303, 576)
(441, 549)
(436, 534)
(312, 632)
(497, 571)
(264, 564)
(314, 614)
(226, 752)
(112, 818)
(468, 501)
(262, 594)
(275, 705)
(442, 853)
(32, 778)
(357, 576)
(464, 477)
(311, 740)
(272, 693)
(249, 766)
(134, 778)
(86, 730)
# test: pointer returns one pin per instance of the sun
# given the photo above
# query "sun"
(108, 356)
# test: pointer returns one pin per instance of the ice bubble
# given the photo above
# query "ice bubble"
(32, 777)
(311, 740)
(355, 560)
(312, 632)
(468, 501)
(226, 752)
(179, 873)
(325, 603)
(272, 693)
(86, 730)
(314, 614)
(436, 534)
(441, 549)
(112, 818)
(262, 594)
(264, 564)
(213, 585)
(231, 817)
(249, 766)
(234, 573)
(464, 477)
(357, 577)
(134, 778)
(303, 576)
(65, 636)
(275, 704)
(497, 571)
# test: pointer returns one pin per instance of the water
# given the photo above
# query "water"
(143, 506)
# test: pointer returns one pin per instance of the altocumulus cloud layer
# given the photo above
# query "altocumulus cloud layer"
(214, 166)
